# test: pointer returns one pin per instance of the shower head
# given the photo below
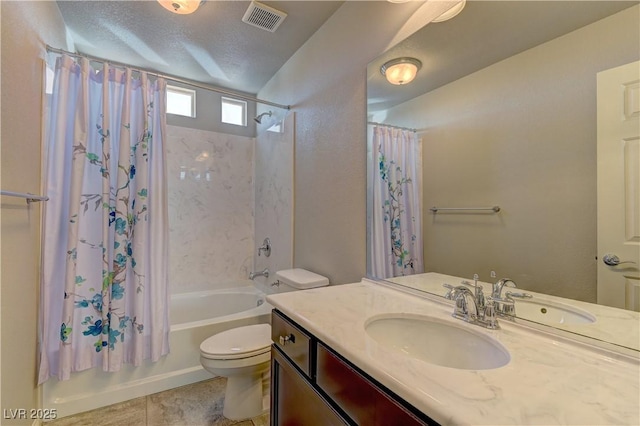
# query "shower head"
(258, 119)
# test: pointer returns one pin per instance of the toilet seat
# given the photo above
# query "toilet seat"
(238, 343)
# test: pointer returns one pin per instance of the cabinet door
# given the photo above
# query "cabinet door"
(293, 401)
(360, 398)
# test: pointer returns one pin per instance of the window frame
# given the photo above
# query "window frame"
(182, 91)
(225, 100)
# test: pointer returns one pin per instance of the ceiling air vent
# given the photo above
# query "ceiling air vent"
(262, 16)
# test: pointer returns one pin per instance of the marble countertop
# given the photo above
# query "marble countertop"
(617, 326)
(549, 379)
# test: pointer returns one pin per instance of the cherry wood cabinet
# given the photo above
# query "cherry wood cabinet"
(294, 400)
(311, 384)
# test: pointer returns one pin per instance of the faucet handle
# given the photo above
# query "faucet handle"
(474, 283)
(266, 247)
(522, 295)
(506, 306)
(475, 280)
(451, 293)
(506, 301)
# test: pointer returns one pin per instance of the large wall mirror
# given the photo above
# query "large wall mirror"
(505, 107)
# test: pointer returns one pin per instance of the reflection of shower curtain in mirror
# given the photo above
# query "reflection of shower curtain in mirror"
(397, 219)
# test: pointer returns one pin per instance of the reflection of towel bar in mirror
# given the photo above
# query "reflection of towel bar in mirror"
(494, 209)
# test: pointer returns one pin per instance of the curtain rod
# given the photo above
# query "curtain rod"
(392, 126)
(172, 78)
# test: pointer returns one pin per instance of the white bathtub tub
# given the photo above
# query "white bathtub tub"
(194, 317)
(195, 309)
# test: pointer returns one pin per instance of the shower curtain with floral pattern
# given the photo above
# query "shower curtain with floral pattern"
(396, 240)
(104, 297)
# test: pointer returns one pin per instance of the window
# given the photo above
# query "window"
(234, 111)
(181, 101)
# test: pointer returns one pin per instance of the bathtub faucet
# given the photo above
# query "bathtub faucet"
(264, 273)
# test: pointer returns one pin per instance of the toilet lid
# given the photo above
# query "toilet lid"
(241, 342)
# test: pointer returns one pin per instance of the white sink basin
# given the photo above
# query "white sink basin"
(437, 342)
(548, 312)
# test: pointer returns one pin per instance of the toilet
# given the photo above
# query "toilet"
(243, 354)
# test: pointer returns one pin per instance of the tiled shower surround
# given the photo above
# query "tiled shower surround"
(274, 199)
(211, 199)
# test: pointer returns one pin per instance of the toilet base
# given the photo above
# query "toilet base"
(243, 397)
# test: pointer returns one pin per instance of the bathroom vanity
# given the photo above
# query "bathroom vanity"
(355, 353)
(312, 384)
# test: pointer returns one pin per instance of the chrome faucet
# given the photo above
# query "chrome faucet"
(465, 307)
(473, 308)
(263, 273)
(500, 284)
(478, 294)
(506, 306)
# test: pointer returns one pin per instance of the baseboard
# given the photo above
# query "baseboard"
(121, 392)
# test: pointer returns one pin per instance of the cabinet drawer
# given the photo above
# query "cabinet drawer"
(295, 343)
(362, 400)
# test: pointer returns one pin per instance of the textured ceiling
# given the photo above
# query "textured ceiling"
(484, 33)
(214, 46)
(211, 46)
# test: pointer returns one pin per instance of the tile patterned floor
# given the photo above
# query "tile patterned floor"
(199, 404)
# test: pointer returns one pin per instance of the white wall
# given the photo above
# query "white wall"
(26, 29)
(521, 134)
(325, 82)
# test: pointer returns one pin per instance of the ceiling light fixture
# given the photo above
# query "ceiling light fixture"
(401, 70)
(451, 12)
(181, 7)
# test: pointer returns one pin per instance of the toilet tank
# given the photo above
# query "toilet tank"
(299, 279)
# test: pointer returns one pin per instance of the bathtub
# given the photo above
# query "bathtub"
(194, 317)
(189, 310)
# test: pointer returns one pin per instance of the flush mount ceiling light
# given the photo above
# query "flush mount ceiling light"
(181, 7)
(451, 12)
(401, 70)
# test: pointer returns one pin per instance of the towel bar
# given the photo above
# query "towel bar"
(31, 198)
(495, 209)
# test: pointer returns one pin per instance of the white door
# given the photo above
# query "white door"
(619, 187)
